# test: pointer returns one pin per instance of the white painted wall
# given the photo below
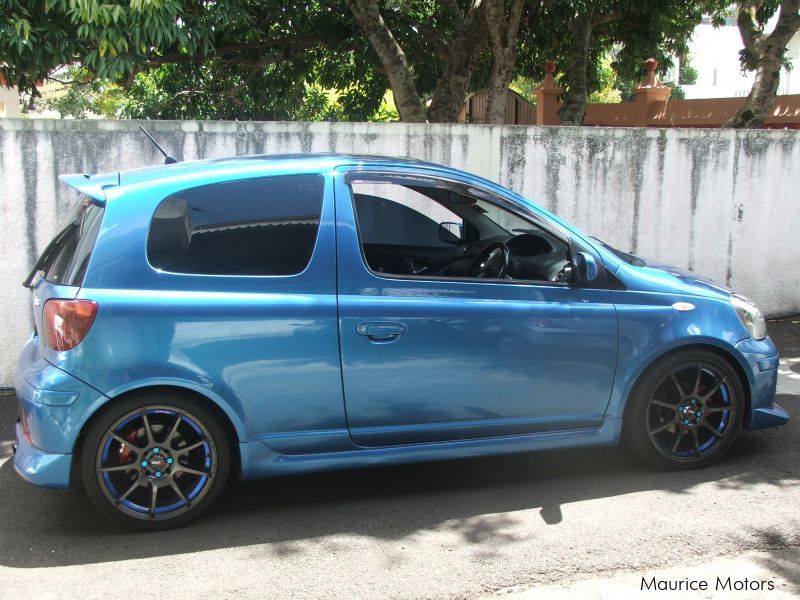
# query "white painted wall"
(721, 202)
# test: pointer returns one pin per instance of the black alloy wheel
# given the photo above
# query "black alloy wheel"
(154, 461)
(686, 410)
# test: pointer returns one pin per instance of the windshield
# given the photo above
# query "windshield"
(510, 222)
(629, 258)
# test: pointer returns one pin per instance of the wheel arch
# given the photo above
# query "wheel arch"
(725, 354)
(228, 423)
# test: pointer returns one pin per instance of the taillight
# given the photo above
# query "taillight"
(66, 322)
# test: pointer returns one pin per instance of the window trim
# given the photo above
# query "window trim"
(311, 258)
(552, 228)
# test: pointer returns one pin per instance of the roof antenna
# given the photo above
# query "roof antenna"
(168, 160)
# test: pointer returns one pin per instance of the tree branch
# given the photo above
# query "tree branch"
(749, 30)
(515, 17)
(433, 36)
(788, 23)
(605, 19)
(459, 22)
(298, 43)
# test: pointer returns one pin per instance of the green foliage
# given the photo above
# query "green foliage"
(525, 87)
(605, 80)
(607, 95)
(627, 90)
(271, 59)
(676, 92)
(179, 59)
(688, 74)
(84, 96)
(630, 31)
(387, 111)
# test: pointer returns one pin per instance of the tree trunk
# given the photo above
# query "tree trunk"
(766, 53)
(574, 107)
(502, 73)
(469, 40)
(759, 102)
(503, 35)
(394, 60)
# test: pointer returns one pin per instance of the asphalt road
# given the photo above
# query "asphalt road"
(445, 530)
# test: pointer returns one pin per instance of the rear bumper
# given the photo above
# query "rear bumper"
(39, 467)
(54, 406)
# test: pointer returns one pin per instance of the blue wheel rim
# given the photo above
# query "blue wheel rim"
(156, 462)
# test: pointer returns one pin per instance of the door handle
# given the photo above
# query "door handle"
(381, 331)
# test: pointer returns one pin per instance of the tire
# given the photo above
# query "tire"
(155, 460)
(685, 411)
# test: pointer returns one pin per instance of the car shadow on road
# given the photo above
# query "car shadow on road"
(470, 498)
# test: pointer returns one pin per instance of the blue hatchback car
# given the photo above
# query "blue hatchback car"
(285, 314)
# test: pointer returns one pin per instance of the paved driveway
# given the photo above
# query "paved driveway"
(458, 529)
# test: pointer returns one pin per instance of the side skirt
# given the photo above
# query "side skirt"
(258, 460)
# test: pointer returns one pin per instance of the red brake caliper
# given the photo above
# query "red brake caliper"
(125, 451)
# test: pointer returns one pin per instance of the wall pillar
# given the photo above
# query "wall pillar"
(651, 97)
(547, 94)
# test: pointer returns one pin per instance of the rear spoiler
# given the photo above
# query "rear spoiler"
(92, 186)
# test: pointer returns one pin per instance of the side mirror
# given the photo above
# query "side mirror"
(452, 233)
(586, 266)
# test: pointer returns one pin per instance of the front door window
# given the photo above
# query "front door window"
(429, 228)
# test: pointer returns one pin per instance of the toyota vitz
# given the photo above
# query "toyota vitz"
(285, 314)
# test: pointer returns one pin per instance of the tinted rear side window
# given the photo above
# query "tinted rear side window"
(65, 259)
(263, 226)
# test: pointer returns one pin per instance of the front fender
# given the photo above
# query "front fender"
(650, 328)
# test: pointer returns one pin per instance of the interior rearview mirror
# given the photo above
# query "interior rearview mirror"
(586, 266)
(452, 233)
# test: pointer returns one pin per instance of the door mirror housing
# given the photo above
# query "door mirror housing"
(452, 233)
(586, 267)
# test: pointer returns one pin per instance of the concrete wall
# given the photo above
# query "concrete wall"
(722, 203)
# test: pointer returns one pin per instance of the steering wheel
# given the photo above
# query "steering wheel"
(564, 275)
(492, 262)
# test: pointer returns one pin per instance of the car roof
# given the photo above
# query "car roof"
(93, 185)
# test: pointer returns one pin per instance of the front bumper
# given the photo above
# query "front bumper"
(761, 360)
(39, 467)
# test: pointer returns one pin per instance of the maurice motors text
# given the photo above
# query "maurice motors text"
(720, 584)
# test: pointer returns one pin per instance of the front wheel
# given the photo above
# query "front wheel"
(686, 411)
(155, 461)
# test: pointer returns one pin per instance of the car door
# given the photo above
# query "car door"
(429, 357)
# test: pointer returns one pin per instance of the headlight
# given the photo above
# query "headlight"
(750, 316)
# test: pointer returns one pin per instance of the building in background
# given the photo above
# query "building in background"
(9, 100)
(714, 53)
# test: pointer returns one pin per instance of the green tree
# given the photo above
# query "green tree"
(427, 50)
(237, 59)
(640, 29)
(83, 95)
(271, 59)
(688, 74)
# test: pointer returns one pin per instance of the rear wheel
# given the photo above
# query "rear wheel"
(686, 411)
(155, 461)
